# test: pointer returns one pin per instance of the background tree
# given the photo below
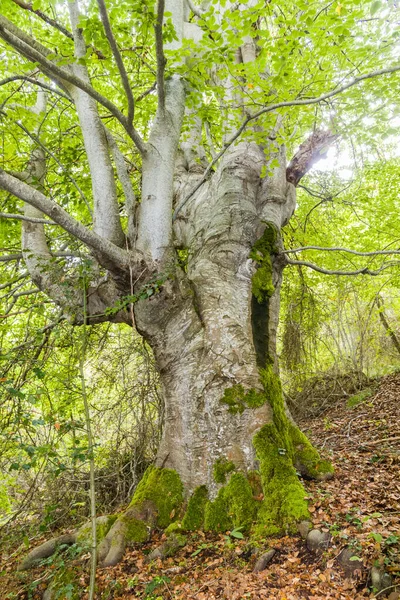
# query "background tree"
(177, 229)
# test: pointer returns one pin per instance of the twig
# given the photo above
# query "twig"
(34, 82)
(374, 442)
(354, 419)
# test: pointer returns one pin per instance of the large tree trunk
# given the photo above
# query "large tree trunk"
(208, 331)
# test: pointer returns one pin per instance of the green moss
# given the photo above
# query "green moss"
(282, 448)
(174, 542)
(216, 517)
(221, 469)
(136, 530)
(103, 525)
(284, 501)
(237, 399)
(359, 398)
(262, 287)
(164, 489)
(306, 458)
(174, 527)
(194, 516)
(233, 507)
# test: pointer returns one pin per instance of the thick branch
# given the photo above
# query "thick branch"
(271, 108)
(123, 176)
(108, 254)
(118, 58)
(310, 152)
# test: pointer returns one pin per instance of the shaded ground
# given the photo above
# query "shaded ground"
(360, 508)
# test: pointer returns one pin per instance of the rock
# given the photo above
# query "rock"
(394, 596)
(264, 560)
(380, 579)
(318, 541)
(304, 528)
(348, 565)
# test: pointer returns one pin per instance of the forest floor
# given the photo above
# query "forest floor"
(360, 508)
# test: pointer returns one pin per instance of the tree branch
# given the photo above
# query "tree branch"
(44, 18)
(338, 249)
(196, 10)
(271, 108)
(118, 58)
(34, 82)
(310, 152)
(363, 271)
(19, 256)
(161, 60)
(23, 218)
(108, 254)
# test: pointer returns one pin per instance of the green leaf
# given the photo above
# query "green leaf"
(375, 6)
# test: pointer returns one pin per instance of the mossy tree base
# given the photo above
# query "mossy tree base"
(267, 501)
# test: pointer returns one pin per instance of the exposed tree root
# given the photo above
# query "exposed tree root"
(47, 549)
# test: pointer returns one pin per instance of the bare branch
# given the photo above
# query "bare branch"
(108, 254)
(161, 60)
(19, 256)
(146, 92)
(44, 18)
(338, 249)
(363, 271)
(118, 58)
(11, 257)
(23, 218)
(271, 108)
(34, 82)
(123, 176)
